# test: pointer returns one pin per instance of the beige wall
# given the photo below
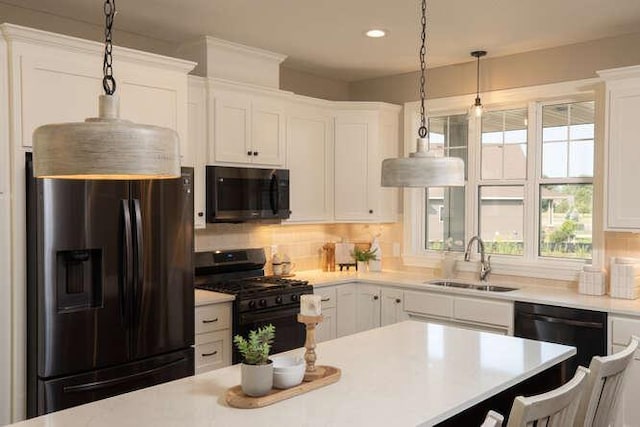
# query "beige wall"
(565, 63)
(308, 84)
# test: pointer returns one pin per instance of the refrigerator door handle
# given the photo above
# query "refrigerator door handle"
(139, 260)
(125, 271)
(97, 385)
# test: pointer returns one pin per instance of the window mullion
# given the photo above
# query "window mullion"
(534, 164)
(474, 147)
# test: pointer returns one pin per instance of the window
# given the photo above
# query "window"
(529, 190)
(566, 181)
(445, 207)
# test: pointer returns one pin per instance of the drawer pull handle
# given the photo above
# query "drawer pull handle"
(213, 353)
(375, 297)
(398, 300)
(325, 299)
(210, 321)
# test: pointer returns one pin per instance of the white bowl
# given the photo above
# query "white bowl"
(288, 372)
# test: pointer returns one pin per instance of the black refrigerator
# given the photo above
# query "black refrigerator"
(109, 287)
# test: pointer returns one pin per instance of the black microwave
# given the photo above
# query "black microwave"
(247, 194)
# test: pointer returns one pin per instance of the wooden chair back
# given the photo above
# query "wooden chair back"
(493, 419)
(555, 408)
(604, 387)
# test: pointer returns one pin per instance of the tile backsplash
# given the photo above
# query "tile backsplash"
(303, 243)
(621, 245)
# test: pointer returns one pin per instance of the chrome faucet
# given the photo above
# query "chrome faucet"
(485, 264)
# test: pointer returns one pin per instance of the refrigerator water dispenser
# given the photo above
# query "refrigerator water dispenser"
(79, 280)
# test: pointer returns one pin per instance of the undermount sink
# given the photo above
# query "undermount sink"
(462, 285)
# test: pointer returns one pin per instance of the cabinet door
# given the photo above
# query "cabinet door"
(309, 163)
(367, 307)
(623, 174)
(232, 128)
(53, 87)
(384, 200)
(353, 136)
(327, 330)
(267, 132)
(391, 309)
(197, 134)
(346, 324)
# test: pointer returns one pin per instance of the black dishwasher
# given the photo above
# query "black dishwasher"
(584, 329)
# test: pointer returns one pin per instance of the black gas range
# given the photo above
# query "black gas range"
(259, 299)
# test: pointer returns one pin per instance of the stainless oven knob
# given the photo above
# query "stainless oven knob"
(295, 297)
(263, 303)
(252, 304)
(278, 300)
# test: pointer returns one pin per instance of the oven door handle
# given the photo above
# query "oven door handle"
(266, 316)
(561, 321)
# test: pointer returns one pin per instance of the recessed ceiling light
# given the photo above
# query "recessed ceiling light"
(376, 33)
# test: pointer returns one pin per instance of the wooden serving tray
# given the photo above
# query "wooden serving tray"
(236, 398)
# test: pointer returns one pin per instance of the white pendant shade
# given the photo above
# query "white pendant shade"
(105, 147)
(423, 172)
(423, 169)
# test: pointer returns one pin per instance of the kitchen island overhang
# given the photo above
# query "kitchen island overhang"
(407, 374)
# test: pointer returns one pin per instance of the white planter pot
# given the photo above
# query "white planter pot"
(361, 266)
(257, 380)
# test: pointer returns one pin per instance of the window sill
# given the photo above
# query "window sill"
(553, 269)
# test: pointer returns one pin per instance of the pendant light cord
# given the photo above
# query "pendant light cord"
(422, 131)
(108, 82)
(478, 77)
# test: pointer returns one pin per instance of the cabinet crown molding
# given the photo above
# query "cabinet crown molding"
(620, 73)
(19, 34)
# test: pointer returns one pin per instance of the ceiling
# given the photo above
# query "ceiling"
(326, 37)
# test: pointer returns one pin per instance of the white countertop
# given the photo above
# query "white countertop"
(209, 297)
(407, 374)
(536, 294)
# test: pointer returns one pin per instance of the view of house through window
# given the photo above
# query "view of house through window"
(559, 197)
(445, 207)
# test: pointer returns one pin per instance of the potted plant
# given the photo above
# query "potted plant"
(257, 368)
(362, 257)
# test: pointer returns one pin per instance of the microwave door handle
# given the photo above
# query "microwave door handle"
(274, 194)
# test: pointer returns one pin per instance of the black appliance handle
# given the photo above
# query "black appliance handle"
(139, 260)
(98, 385)
(561, 321)
(125, 270)
(266, 316)
(274, 193)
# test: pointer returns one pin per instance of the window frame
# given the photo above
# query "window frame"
(532, 98)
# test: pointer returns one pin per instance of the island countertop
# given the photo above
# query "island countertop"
(406, 374)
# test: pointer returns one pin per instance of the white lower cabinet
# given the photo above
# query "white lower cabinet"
(391, 306)
(367, 307)
(469, 312)
(620, 331)
(327, 330)
(212, 337)
(346, 301)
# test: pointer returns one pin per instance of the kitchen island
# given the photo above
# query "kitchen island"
(406, 374)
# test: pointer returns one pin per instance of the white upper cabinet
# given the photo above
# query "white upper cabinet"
(196, 150)
(58, 79)
(364, 136)
(248, 128)
(309, 160)
(622, 150)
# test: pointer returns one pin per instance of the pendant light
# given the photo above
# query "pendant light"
(106, 147)
(423, 168)
(476, 108)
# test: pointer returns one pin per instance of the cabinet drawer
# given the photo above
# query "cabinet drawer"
(483, 311)
(212, 317)
(427, 303)
(328, 297)
(212, 351)
(622, 329)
